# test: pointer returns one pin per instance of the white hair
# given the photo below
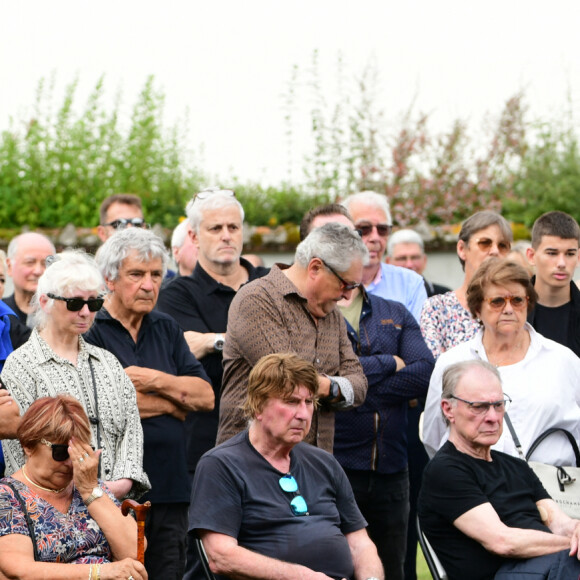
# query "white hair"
(371, 198)
(180, 234)
(404, 237)
(216, 199)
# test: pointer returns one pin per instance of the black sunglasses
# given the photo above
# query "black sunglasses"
(365, 229)
(76, 304)
(59, 450)
(122, 223)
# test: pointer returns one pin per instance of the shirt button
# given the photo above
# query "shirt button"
(318, 361)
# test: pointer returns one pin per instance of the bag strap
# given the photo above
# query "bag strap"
(516, 439)
(548, 432)
(28, 519)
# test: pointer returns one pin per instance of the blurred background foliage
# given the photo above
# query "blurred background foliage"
(57, 166)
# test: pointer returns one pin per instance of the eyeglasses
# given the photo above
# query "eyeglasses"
(59, 450)
(211, 191)
(412, 258)
(486, 243)
(383, 230)
(517, 302)
(122, 223)
(347, 286)
(76, 304)
(482, 407)
(298, 504)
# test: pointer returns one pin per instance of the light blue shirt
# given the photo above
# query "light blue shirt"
(402, 285)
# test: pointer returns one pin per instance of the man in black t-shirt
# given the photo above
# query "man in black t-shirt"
(486, 513)
(554, 253)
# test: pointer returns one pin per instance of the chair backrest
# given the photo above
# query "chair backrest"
(433, 563)
(203, 559)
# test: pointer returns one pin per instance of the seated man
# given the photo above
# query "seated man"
(266, 504)
(486, 513)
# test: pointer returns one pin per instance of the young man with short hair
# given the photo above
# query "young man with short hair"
(554, 253)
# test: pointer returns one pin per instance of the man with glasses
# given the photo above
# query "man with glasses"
(293, 309)
(406, 249)
(372, 218)
(265, 504)
(485, 513)
(119, 211)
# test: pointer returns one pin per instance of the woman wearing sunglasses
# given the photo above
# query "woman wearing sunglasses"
(54, 511)
(540, 375)
(445, 318)
(56, 359)
(266, 504)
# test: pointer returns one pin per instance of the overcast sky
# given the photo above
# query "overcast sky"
(229, 61)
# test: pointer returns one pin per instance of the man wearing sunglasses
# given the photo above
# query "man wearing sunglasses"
(486, 513)
(265, 504)
(554, 254)
(120, 211)
(372, 218)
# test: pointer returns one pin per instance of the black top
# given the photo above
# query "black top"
(236, 492)
(160, 345)
(453, 484)
(554, 322)
(200, 303)
(11, 301)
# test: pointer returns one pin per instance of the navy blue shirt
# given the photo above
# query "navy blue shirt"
(200, 303)
(373, 437)
(161, 346)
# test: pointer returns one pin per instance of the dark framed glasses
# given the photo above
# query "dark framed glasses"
(298, 503)
(76, 304)
(122, 223)
(364, 229)
(345, 285)
(59, 450)
(482, 407)
(485, 245)
(499, 302)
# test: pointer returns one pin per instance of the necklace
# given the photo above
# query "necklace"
(55, 491)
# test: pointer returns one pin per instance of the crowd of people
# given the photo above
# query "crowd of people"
(274, 414)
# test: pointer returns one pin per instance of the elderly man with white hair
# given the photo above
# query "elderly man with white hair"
(372, 218)
(183, 249)
(406, 249)
(168, 379)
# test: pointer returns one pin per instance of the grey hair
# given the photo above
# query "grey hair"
(13, 245)
(180, 234)
(404, 237)
(371, 198)
(338, 245)
(147, 245)
(217, 200)
(481, 220)
(69, 272)
(455, 372)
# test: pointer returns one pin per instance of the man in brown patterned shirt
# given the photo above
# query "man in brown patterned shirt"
(293, 309)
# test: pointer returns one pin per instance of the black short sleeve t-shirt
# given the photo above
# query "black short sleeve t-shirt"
(236, 492)
(454, 483)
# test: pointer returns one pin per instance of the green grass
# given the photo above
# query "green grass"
(422, 570)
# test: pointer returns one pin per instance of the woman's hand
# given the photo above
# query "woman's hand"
(85, 463)
(123, 570)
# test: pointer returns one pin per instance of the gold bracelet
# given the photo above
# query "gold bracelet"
(91, 572)
(98, 567)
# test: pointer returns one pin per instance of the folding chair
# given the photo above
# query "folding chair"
(203, 559)
(433, 563)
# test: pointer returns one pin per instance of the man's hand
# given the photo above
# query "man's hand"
(400, 362)
(323, 386)
(200, 344)
(142, 378)
(9, 415)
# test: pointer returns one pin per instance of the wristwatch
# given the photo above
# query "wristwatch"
(218, 342)
(334, 390)
(95, 494)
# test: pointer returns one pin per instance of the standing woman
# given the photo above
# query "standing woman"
(56, 359)
(445, 318)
